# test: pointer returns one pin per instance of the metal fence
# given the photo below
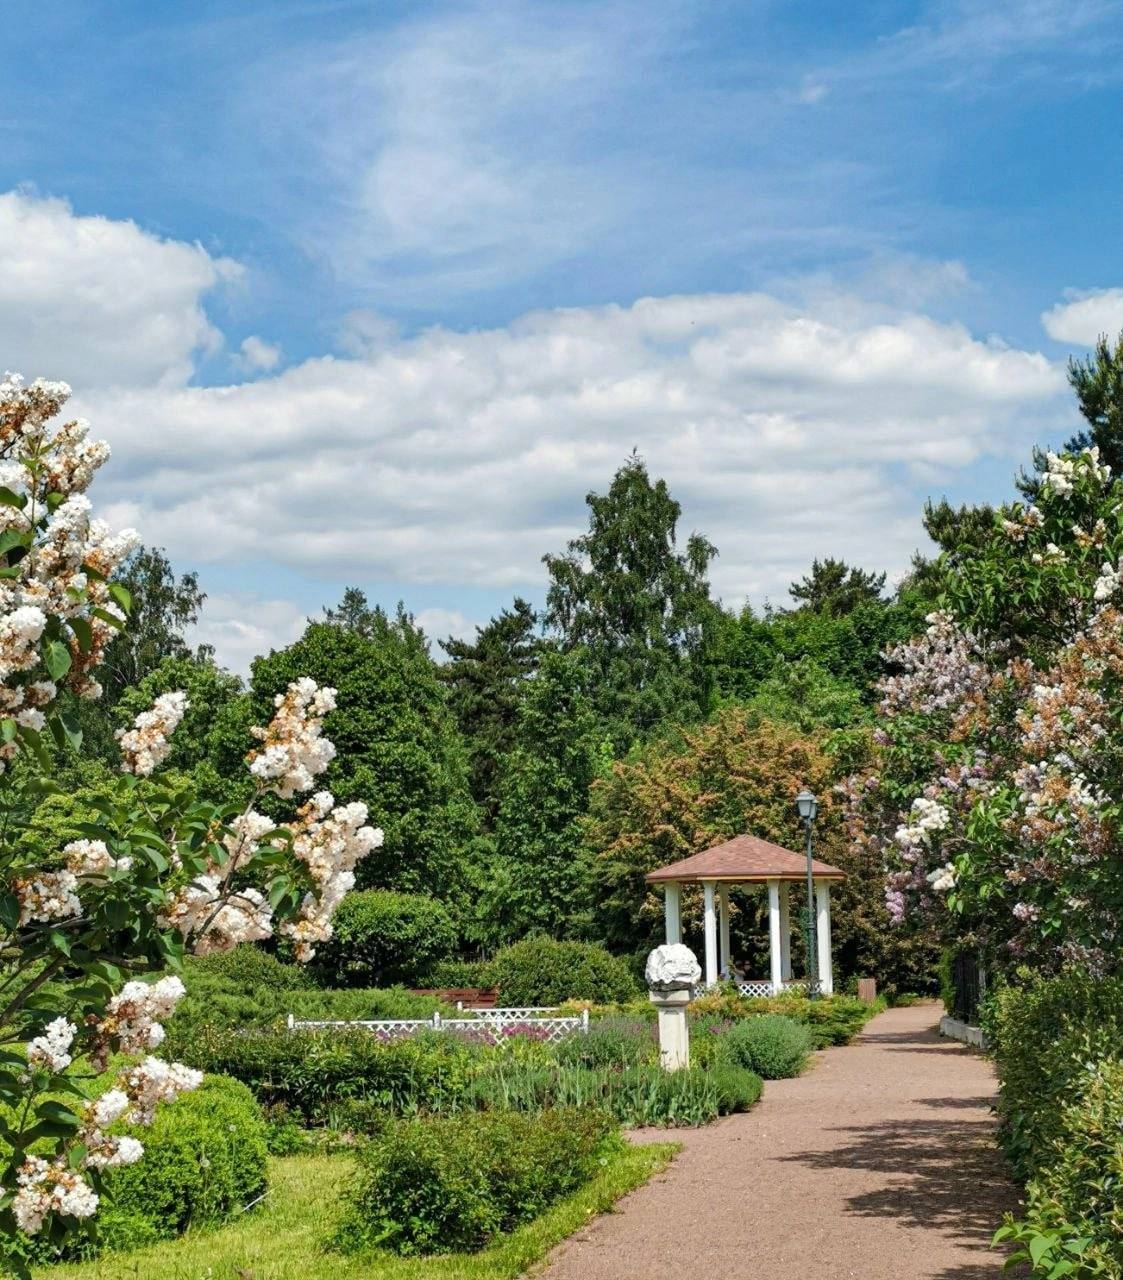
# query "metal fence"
(968, 986)
(489, 1026)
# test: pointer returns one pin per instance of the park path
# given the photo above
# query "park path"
(877, 1163)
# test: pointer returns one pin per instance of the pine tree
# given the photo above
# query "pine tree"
(834, 589)
(639, 608)
(1098, 383)
(485, 678)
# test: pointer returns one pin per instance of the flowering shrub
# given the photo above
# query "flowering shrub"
(995, 799)
(159, 873)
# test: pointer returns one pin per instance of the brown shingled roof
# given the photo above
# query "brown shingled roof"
(744, 858)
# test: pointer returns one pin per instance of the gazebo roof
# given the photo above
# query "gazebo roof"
(744, 859)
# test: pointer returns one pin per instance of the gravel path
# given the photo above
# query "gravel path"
(876, 1163)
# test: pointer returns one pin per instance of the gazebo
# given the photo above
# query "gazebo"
(746, 860)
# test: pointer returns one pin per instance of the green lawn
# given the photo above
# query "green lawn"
(280, 1238)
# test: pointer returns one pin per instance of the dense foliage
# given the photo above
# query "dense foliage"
(395, 739)
(381, 938)
(449, 1184)
(539, 971)
(773, 1046)
(1056, 1044)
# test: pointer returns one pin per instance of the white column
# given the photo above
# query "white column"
(785, 931)
(672, 912)
(723, 929)
(774, 935)
(823, 930)
(710, 931)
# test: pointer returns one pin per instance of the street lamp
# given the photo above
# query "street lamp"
(807, 807)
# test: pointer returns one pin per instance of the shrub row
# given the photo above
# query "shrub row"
(831, 1020)
(444, 1184)
(1058, 1049)
(540, 971)
(312, 1074)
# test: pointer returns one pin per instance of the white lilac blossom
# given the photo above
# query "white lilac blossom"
(925, 818)
(939, 671)
(294, 752)
(1107, 584)
(47, 896)
(133, 1016)
(153, 1081)
(943, 878)
(87, 859)
(50, 1187)
(147, 743)
(51, 1050)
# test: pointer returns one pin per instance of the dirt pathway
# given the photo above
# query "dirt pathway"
(876, 1163)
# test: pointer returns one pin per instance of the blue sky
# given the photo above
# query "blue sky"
(375, 292)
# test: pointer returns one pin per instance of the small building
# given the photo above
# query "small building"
(748, 860)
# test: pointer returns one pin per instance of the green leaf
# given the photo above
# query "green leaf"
(84, 633)
(8, 729)
(108, 617)
(122, 595)
(1039, 1246)
(10, 499)
(57, 658)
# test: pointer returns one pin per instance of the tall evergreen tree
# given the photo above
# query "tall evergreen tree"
(485, 679)
(640, 608)
(1098, 383)
(560, 750)
(835, 589)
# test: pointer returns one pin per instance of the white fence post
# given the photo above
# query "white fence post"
(436, 1020)
(291, 1020)
(584, 1022)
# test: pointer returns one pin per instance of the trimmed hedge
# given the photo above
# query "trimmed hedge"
(540, 971)
(450, 1184)
(773, 1046)
(248, 988)
(381, 938)
(312, 1074)
(1044, 1035)
(204, 1161)
(1057, 1047)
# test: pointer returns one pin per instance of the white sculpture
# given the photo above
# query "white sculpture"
(672, 972)
(672, 967)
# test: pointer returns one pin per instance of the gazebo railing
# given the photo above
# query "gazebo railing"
(762, 987)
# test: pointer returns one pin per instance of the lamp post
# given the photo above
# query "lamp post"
(807, 807)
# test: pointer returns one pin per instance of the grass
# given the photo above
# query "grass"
(280, 1239)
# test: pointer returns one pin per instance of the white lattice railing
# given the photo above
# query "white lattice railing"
(498, 1025)
(752, 987)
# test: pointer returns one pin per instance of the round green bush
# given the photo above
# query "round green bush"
(440, 1184)
(381, 938)
(737, 1088)
(204, 1160)
(540, 971)
(773, 1046)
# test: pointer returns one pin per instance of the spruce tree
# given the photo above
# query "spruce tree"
(638, 607)
(1098, 383)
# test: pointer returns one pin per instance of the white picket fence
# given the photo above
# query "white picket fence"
(488, 1024)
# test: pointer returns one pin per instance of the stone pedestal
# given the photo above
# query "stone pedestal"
(672, 974)
(674, 1038)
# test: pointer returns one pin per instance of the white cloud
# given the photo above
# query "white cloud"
(241, 625)
(459, 458)
(257, 355)
(440, 624)
(110, 302)
(1085, 316)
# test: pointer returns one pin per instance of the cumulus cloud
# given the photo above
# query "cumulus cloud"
(257, 355)
(241, 625)
(1083, 317)
(459, 458)
(114, 304)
